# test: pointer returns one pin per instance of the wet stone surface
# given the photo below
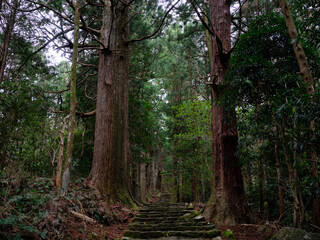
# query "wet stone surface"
(164, 220)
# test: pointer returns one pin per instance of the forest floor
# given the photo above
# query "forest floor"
(33, 211)
(249, 231)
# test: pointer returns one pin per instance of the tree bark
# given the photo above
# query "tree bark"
(60, 156)
(180, 179)
(261, 178)
(142, 181)
(7, 39)
(278, 167)
(73, 101)
(160, 164)
(109, 173)
(227, 203)
(309, 82)
(291, 175)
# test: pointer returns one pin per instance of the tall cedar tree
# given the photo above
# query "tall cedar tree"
(227, 203)
(109, 174)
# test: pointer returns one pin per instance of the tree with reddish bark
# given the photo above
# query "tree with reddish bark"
(227, 203)
(109, 174)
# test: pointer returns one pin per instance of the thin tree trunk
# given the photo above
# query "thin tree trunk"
(309, 81)
(180, 179)
(73, 102)
(278, 167)
(60, 156)
(260, 176)
(160, 164)
(153, 174)
(302, 211)
(7, 39)
(296, 206)
(290, 173)
(142, 181)
(194, 185)
(203, 189)
(175, 182)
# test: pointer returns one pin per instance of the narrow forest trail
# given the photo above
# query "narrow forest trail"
(165, 220)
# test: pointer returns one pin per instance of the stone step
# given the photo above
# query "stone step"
(158, 219)
(161, 210)
(174, 238)
(168, 221)
(165, 220)
(178, 224)
(171, 227)
(164, 204)
(159, 234)
(167, 213)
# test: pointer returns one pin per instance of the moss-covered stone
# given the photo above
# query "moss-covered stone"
(288, 233)
(170, 220)
(190, 215)
(229, 234)
(127, 200)
(132, 234)
(212, 233)
(152, 234)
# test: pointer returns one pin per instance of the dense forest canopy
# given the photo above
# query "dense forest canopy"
(214, 102)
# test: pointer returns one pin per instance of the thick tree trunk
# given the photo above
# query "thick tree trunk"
(109, 174)
(73, 102)
(227, 203)
(309, 81)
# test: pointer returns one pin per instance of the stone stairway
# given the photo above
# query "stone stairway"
(164, 220)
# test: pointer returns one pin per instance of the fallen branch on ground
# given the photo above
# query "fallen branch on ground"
(83, 217)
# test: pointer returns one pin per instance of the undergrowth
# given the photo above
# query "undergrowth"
(32, 210)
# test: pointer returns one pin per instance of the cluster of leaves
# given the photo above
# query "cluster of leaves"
(193, 118)
(23, 207)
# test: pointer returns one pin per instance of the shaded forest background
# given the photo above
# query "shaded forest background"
(169, 122)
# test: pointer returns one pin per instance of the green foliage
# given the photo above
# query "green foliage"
(17, 223)
(308, 15)
(263, 61)
(269, 93)
(193, 118)
(23, 207)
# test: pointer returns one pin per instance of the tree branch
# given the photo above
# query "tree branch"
(53, 10)
(239, 27)
(158, 29)
(22, 10)
(43, 46)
